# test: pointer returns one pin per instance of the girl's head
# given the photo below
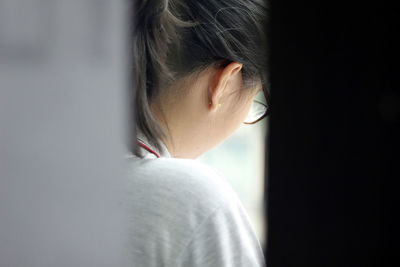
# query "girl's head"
(198, 65)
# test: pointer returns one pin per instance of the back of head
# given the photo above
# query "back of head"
(175, 38)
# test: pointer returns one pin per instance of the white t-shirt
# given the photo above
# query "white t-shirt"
(183, 214)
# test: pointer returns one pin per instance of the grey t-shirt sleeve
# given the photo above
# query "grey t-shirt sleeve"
(224, 239)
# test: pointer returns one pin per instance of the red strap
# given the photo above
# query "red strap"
(147, 148)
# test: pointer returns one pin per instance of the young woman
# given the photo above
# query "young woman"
(198, 66)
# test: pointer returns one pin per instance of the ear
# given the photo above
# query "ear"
(220, 82)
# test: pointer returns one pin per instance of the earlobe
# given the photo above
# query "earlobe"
(212, 98)
(210, 104)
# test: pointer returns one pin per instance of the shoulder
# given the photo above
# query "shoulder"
(186, 183)
(190, 213)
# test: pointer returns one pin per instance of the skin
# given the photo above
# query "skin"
(194, 120)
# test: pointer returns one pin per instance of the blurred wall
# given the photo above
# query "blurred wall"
(62, 85)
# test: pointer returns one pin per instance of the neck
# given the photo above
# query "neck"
(177, 133)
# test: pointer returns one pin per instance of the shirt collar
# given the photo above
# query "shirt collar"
(163, 152)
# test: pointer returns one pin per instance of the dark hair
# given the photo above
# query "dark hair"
(174, 38)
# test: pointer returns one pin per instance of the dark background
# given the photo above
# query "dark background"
(332, 149)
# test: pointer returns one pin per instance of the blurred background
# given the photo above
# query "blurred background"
(333, 149)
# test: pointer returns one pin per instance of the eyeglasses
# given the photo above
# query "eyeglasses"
(259, 108)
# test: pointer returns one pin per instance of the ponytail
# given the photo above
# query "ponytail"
(152, 32)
